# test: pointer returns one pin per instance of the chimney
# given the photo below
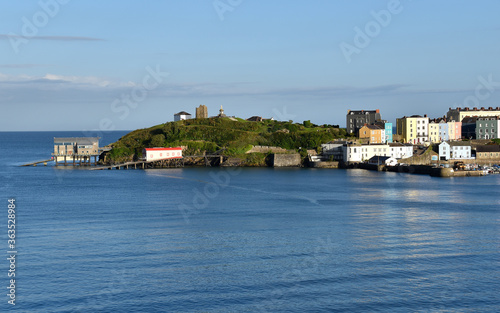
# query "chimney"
(449, 109)
(482, 108)
(474, 108)
(490, 109)
(377, 111)
(467, 109)
(425, 115)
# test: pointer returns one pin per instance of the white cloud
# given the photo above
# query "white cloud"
(61, 81)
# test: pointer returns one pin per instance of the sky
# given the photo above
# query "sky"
(123, 65)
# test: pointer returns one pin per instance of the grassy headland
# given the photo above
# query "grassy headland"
(213, 134)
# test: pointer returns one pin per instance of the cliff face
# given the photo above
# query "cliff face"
(230, 137)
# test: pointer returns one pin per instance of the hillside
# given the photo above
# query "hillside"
(213, 134)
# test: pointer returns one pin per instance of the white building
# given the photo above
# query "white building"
(182, 116)
(444, 151)
(456, 150)
(154, 154)
(401, 150)
(361, 153)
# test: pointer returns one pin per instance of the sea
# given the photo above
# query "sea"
(243, 239)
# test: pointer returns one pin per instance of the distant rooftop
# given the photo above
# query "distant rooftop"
(80, 140)
(182, 113)
(488, 148)
(476, 109)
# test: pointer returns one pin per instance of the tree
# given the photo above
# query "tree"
(158, 140)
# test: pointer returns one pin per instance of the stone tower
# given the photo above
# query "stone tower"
(201, 111)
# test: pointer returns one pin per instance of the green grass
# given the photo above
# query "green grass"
(213, 134)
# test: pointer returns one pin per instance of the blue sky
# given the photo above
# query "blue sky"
(82, 65)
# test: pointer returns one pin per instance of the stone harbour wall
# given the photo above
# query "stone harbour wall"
(285, 160)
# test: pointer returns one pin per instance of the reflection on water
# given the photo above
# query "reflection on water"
(269, 240)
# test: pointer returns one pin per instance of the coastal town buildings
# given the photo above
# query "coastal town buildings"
(357, 119)
(434, 131)
(401, 150)
(388, 130)
(181, 116)
(454, 130)
(459, 114)
(487, 127)
(413, 129)
(334, 150)
(469, 127)
(360, 153)
(373, 133)
(488, 153)
(455, 150)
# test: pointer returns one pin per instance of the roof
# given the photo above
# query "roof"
(372, 127)
(399, 144)
(438, 120)
(488, 148)
(182, 113)
(379, 158)
(469, 120)
(162, 149)
(255, 119)
(78, 140)
(459, 143)
(476, 109)
(351, 112)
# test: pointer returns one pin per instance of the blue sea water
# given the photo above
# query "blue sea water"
(245, 240)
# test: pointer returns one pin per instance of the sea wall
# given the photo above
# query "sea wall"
(285, 160)
(324, 164)
(266, 149)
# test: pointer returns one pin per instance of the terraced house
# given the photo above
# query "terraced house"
(373, 133)
(413, 129)
(487, 127)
